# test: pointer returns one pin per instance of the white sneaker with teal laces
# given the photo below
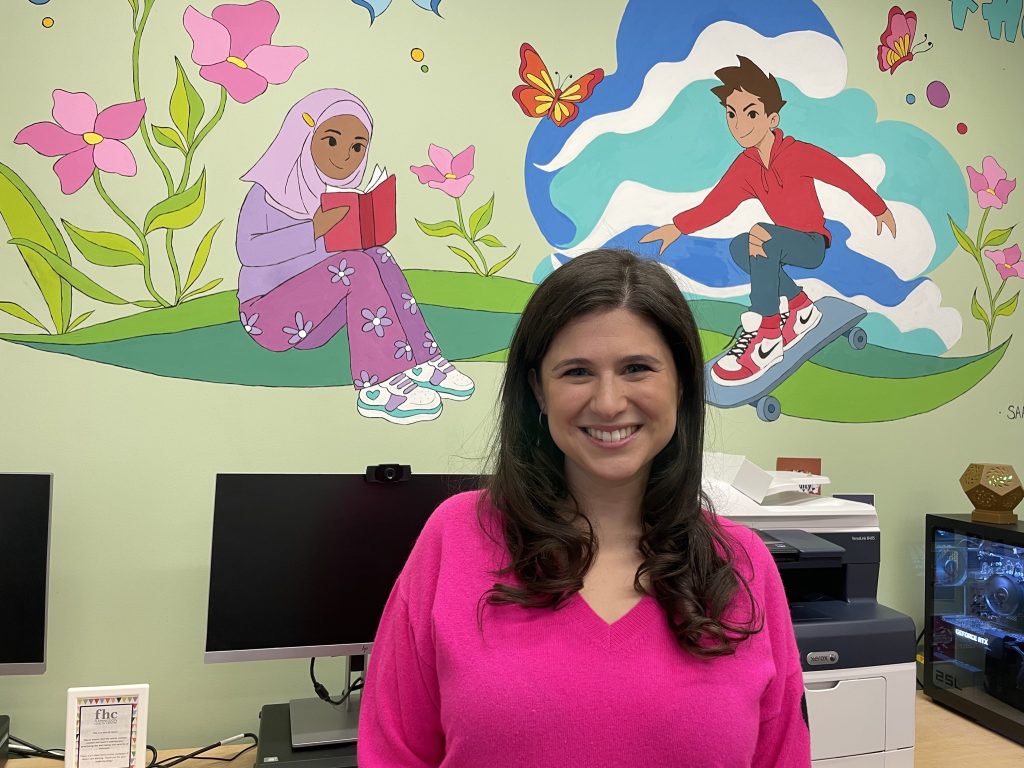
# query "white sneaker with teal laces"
(444, 378)
(398, 400)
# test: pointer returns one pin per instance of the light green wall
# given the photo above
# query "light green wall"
(134, 456)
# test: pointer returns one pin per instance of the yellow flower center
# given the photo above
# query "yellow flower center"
(237, 62)
(990, 191)
(92, 138)
(450, 176)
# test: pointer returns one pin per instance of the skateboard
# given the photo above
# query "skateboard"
(838, 318)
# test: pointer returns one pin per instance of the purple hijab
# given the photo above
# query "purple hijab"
(287, 172)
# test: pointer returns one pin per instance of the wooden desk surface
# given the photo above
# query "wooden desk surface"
(244, 761)
(944, 739)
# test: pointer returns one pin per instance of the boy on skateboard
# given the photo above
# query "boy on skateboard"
(780, 172)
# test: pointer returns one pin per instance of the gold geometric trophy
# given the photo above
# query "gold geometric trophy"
(994, 489)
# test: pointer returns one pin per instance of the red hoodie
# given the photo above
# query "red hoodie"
(785, 187)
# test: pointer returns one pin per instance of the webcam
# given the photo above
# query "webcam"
(388, 473)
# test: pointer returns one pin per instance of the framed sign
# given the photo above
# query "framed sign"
(106, 727)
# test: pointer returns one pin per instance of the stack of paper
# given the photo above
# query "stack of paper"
(753, 482)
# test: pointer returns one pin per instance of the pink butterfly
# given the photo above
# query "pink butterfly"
(897, 42)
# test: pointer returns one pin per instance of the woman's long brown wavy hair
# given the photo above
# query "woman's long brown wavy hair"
(687, 563)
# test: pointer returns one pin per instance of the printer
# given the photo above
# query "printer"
(858, 656)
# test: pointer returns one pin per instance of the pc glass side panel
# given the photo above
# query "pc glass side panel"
(974, 621)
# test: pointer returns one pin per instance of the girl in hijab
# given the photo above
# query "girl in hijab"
(292, 292)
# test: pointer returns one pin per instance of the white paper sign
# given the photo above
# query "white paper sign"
(106, 727)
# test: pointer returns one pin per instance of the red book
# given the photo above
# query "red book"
(370, 220)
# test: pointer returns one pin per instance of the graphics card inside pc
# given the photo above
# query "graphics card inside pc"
(974, 620)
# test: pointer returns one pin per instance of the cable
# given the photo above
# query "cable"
(321, 690)
(176, 759)
(28, 749)
(22, 748)
(228, 759)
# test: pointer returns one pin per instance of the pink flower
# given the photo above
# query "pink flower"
(233, 48)
(1007, 261)
(991, 185)
(85, 140)
(449, 174)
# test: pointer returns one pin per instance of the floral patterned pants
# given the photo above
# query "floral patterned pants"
(364, 291)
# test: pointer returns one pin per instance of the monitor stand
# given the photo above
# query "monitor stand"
(316, 723)
(275, 745)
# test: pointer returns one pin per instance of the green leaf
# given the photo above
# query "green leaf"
(501, 264)
(481, 217)
(977, 311)
(441, 229)
(187, 107)
(135, 5)
(997, 237)
(79, 320)
(168, 137)
(462, 254)
(1007, 308)
(180, 210)
(208, 287)
(27, 219)
(202, 254)
(148, 304)
(490, 241)
(104, 249)
(965, 242)
(18, 311)
(78, 279)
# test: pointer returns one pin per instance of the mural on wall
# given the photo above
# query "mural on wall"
(376, 7)
(351, 312)
(992, 189)
(233, 50)
(779, 172)
(313, 268)
(845, 282)
(1003, 16)
(652, 144)
(896, 44)
(451, 174)
(540, 96)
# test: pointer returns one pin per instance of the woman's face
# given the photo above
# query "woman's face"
(339, 146)
(610, 389)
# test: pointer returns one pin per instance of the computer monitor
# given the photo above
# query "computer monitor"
(24, 564)
(302, 565)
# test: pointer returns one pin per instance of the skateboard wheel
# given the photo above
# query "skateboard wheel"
(768, 408)
(857, 337)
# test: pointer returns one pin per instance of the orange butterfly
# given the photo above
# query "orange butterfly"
(539, 96)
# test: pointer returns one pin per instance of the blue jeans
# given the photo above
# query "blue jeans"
(768, 280)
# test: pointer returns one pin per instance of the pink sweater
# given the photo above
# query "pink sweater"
(455, 682)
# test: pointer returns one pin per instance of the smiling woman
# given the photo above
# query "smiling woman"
(592, 566)
(608, 386)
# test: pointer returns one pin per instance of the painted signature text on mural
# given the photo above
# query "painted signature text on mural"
(1003, 16)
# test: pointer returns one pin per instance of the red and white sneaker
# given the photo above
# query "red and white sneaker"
(798, 317)
(758, 347)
